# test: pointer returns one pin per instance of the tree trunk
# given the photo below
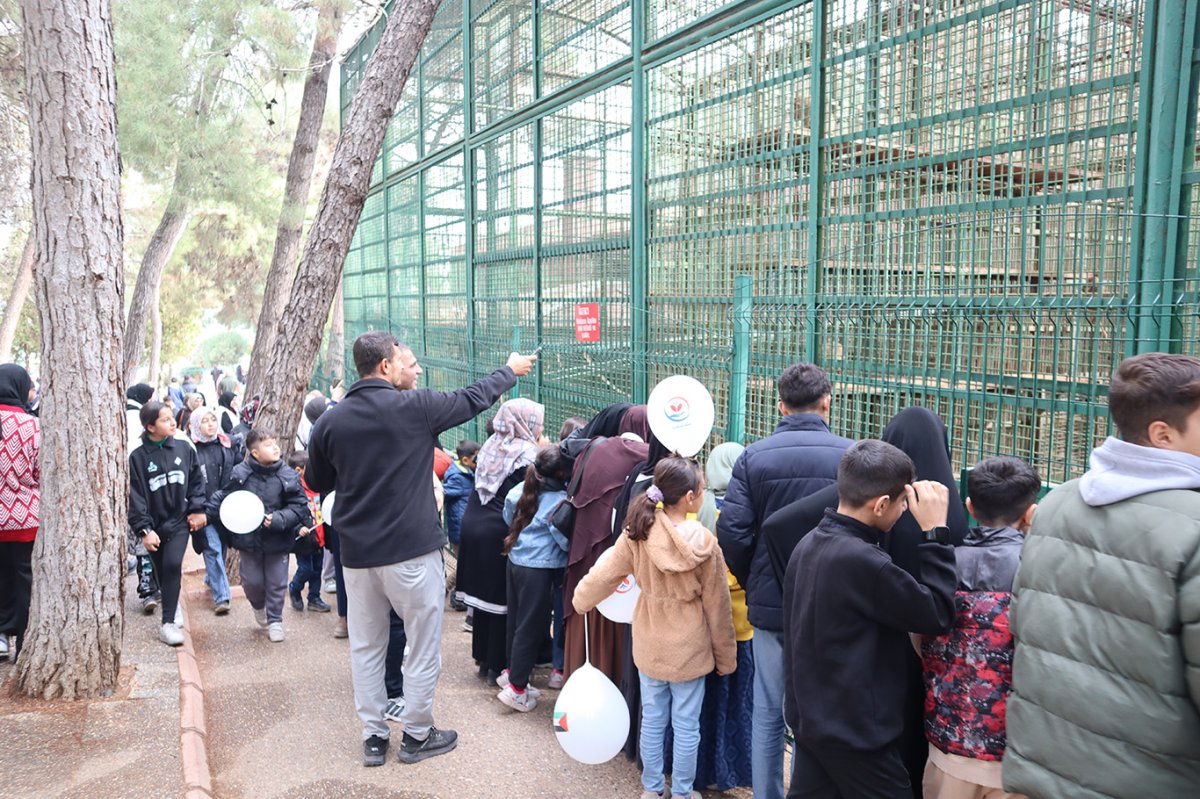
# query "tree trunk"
(16, 300)
(299, 338)
(295, 197)
(156, 338)
(73, 641)
(336, 360)
(168, 233)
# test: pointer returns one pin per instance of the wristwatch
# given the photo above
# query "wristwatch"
(937, 535)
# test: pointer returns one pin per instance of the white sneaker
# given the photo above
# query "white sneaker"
(178, 615)
(171, 635)
(330, 587)
(653, 795)
(556, 680)
(3, 646)
(275, 631)
(502, 681)
(394, 709)
(260, 616)
(523, 702)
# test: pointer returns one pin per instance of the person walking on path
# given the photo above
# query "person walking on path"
(1106, 606)
(799, 458)
(20, 476)
(376, 450)
(217, 460)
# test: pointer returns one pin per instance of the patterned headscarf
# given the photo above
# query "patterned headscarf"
(194, 425)
(518, 425)
(249, 411)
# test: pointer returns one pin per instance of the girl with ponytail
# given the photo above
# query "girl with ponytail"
(537, 557)
(682, 624)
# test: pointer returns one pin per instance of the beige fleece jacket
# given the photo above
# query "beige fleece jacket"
(682, 625)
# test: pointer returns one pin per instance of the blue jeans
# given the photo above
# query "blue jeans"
(679, 704)
(308, 570)
(766, 741)
(214, 566)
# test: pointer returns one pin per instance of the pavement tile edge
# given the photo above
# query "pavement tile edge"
(193, 732)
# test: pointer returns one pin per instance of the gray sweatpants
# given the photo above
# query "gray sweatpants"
(415, 589)
(265, 579)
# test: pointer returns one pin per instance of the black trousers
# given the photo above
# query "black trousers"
(16, 586)
(820, 772)
(168, 568)
(530, 605)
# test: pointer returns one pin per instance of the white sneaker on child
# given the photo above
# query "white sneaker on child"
(524, 702)
(275, 631)
(179, 615)
(170, 635)
(260, 616)
(556, 680)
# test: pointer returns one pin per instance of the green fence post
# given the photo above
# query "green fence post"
(1155, 277)
(739, 371)
(516, 347)
(815, 187)
(638, 293)
(468, 201)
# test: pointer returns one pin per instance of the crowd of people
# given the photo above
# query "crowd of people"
(910, 641)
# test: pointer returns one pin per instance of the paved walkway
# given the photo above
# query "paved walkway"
(281, 722)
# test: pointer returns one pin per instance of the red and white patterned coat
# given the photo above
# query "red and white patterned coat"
(20, 440)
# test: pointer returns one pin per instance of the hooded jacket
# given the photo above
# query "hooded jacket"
(375, 448)
(1106, 618)
(682, 624)
(165, 485)
(540, 544)
(278, 486)
(800, 458)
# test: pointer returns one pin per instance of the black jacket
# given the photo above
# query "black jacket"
(166, 483)
(847, 613)
(800, 458)
(217, 459)
(282, 495)
(375, 448)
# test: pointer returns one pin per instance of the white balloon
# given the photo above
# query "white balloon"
(327, 508)
(680, 412)
(619, 606)
(242, 512)
(591, 720)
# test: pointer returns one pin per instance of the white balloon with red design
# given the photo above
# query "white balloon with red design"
(619, 607)
(591, 719)
(680, 412)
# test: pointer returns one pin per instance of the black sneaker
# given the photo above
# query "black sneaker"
(297, 600)
(375, 751)
(319, 605)
(439, 742)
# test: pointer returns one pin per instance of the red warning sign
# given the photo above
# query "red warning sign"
(587, 321)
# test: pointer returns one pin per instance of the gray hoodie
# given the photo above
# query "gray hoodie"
(1118, 471)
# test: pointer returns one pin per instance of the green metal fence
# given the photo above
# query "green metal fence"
(976, 205)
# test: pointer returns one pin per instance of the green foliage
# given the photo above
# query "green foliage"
(224, 349)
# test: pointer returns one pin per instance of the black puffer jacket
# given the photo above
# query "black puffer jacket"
(217, 459)
(282, 495)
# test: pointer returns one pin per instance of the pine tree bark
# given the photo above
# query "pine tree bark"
(16, 300)
(299, 337)
(336, 359)
(73, 642)
(156, 338)
(166, 236)
(295, 197)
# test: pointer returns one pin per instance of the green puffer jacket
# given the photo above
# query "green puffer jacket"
(1106, 617)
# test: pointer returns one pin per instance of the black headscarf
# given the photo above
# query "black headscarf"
(921, 433)
(15, 385)
(636, 421)
(606, 423)
(139, 393)
(226, 399)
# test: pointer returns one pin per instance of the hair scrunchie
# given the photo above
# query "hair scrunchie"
(654, 494)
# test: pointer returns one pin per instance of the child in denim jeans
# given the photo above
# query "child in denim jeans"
(682, 624)
(309, 547)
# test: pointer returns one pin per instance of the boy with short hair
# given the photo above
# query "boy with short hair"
(1106, 606)
(456, 489)
(309, 547)
(968, 672)
(264, 562)
(847, 612)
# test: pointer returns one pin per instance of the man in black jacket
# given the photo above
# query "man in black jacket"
(798, 459)
(847, 613)
(375, 448)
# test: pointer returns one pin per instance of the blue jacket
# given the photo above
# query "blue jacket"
(800, 458)
(456, 488)
(540, 545)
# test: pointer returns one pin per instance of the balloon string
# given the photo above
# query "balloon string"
(587, 651)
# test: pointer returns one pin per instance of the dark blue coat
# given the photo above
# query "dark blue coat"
(800, 458)
(456, 489)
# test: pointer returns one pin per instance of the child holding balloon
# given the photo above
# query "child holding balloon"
(537, 556)
(682, 624)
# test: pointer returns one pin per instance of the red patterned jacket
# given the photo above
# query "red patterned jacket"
(968, 671)
(20, 439)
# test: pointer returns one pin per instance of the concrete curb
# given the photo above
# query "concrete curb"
(193, 733)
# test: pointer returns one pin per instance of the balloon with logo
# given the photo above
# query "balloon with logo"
(680, 412)
(327, 508)
(619, 606)
(242, 512)
(591, 719)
